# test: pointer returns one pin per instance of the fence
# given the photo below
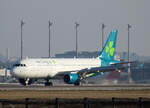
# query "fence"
(82, 103)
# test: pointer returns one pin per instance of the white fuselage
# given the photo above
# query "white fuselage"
(43, 68)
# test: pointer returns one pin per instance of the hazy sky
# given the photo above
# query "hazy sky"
(116, 14)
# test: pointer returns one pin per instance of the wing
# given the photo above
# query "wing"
(86, 73)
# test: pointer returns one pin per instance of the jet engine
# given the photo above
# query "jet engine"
(71, 78)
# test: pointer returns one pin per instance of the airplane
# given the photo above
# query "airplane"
(71, 70)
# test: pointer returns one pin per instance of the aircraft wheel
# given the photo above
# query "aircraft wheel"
(25, 82)
(77, 84)
(48, 84)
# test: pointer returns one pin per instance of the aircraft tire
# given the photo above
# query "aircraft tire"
(48, 84)
(77, 84)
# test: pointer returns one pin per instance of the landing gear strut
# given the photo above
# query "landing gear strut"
(25, 81)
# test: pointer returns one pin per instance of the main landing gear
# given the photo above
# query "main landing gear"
(78, 83)
(48, 83)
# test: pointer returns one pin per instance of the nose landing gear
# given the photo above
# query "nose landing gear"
(25, 81)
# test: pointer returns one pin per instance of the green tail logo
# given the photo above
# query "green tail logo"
(109, 49)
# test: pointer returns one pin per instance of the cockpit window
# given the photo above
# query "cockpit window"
(17, 65)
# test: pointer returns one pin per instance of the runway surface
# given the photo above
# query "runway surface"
(71, 87)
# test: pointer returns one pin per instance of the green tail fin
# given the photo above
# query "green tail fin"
(108, 51)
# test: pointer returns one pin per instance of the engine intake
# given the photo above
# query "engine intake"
(71, 78)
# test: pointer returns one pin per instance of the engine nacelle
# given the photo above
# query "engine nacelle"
(25, 81)
(71, 78)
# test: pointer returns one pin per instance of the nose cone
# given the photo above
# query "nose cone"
(17, 72)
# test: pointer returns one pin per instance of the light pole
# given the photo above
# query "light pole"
(8, 53)
(76, 27)
(103, 26)
(22, 23)
(49, 26)
(129, 26)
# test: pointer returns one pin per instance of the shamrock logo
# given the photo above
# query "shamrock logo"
(53, 61)
(109, 49)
